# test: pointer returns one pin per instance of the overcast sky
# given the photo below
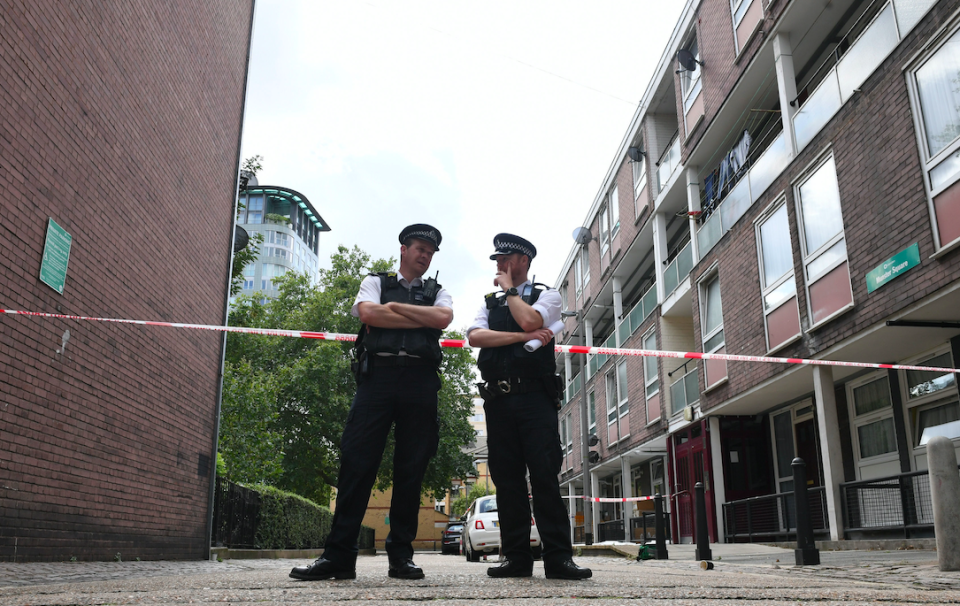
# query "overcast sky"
(475, 118)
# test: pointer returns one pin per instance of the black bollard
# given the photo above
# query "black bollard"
(703, 534)
(806, 552)
(660, 526)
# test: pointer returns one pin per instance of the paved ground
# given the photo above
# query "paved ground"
(742, 574)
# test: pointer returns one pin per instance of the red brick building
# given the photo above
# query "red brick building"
(119, 122)
(788, 187)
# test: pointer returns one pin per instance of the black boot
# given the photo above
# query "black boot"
(404, 568)
(321, 570)
(511, 568)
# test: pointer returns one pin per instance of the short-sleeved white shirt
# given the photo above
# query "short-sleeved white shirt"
(370, 291)
(548, 305)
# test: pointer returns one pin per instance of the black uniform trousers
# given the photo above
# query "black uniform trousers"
(522, 434)
(406, 397)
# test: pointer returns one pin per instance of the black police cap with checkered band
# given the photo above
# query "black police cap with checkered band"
(507, 244)
(422, 231)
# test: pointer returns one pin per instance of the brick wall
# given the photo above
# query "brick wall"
(884, 211)
(120, 121)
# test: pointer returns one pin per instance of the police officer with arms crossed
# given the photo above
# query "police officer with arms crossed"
(521, 392)
(403, 317)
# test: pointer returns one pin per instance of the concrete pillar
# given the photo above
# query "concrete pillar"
(829, 427)
(716, 472)
(594, 506)
(617, 305)
(786, 87)
(945, 494)
(693, 204)
(660, 221)
(626, 484)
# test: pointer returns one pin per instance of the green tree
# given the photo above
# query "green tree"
(460, 504)
(313, 385)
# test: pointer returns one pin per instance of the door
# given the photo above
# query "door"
(691, 456)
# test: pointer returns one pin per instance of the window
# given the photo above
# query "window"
(254, 209)
(651, 376)
(711, 330)
(578, 273)
(623, 401)
(248, 284)
(585, 261)
(690, 80)
(614, 211)
(639, 178)
(611, 382)
(924, 383)
(592, 410)
(604, 231)
(931, 395)
(778, 287)
(873, 417)
(823, 244)
(738, 8)
(569, 444)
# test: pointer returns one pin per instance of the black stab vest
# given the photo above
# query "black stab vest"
(422, 342)
(513, 361)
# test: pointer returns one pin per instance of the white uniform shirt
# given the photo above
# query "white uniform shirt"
(370, 291)
(548, 305)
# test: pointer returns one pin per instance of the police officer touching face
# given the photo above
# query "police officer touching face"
(521, 392)
(403, 318)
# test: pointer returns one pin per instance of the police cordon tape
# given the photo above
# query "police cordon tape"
(608, 351)
(608, 499)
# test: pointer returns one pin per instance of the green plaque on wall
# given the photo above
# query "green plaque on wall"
(56, 255)
(893, 267)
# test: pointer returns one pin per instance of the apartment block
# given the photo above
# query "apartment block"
(788, 187)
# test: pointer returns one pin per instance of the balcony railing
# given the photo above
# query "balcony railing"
(598, 360)
(678, 269)
(685, 391)
(772, 517)
(668, 163)
(573, 388)
(901, 503)
(632, 321)
(644, 528)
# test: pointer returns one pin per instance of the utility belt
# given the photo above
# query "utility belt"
(376, 360)
(551, 385)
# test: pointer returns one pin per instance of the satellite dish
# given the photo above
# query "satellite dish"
(687, 60)
(634, 153)
(240, 239)
(593, 440)
(688, 413)
(582, 235)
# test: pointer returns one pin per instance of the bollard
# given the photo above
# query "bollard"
(945, 494)
(660, 527)
(703, 534)
(806, 552)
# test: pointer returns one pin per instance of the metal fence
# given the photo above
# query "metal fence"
(772, 517)
(644, 528)
(235, 513)
(610, 531)
(893, 503)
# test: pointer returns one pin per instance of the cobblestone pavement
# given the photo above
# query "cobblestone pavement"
(843, 578)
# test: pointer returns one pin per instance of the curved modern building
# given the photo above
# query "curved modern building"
(291, 229)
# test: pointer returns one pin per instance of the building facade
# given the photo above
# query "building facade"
(291, 228)
(788, 187)
(120, 125)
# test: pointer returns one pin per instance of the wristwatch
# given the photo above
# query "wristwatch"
(512, 291)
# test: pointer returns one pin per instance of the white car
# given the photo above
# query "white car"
(481, 530)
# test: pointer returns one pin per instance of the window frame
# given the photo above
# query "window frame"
(650, 378)
(689, 92)
(623, 395)
(592, 410)
(736, 5)
(929, 163)
(868, 418)
(712, 276)
(610, 391)
(807, 257)
(613, 204)
(777, 283)
(603, 218)
(639, 177)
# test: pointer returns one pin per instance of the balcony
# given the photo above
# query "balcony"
(632, 321)
(668, 163)
(573, 388)
(677, 270)
(685, 391)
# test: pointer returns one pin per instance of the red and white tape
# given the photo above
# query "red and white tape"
(608, 499)
(610, 351)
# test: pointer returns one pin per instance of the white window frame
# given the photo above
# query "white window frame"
(610, 386)
(650, 378)
(810, 257)
(913, 405)
(585, 254)
(623, 402)
(778, 282)
(689, 91)
(709, 278)
(639, 179)
(857, 421)
(592, 410)
(928, 163)
(569, 433)
(736, 5)
(578, 274)
(604, 226)
(614, 208)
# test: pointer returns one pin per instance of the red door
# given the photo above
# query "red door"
(691, 464)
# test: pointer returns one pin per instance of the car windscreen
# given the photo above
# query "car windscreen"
(457, 528)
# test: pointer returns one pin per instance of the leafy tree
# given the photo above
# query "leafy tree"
(253, 164)
(312, 386)
(460, 504)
